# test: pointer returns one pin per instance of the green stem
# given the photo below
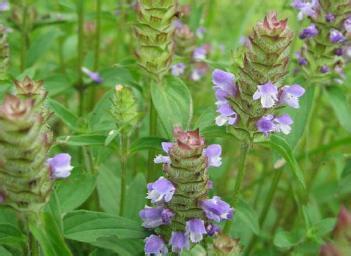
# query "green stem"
(266, 207)
(34, 249)
(244, 149)
(80, 50)
(24, 37)
(152, 132)
(124, 162)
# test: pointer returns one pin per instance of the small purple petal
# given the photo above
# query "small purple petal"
(300, 59)
(347, 24)
(268, 93)
(216, 209)
(179, 241)
(224, 81)
(309, 32)
(306, 8)
(336, 36)
(265, 125)
(283, 123)
(330, 17)
(60, 166)
(195, 229)
(4, 6)
(155, 217)
(290, 95)
(160, 190)
(160, 159)
(212, 229)
(324, 69)
(178, 69)
(92, 75)
(166, 146)
(213, 154)
(154, 245)
(200, 53)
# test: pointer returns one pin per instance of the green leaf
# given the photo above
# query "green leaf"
(64, 114)
(324, 227)
(74, 191)
(245, 214)
(82, 140)
(46, 229)
(280, 145)
(136, 197)
(338, 101)
(301, 117)
(108, 187)
(284, 239)
(101, 118)
(173, 102)
(125, 247)
(88, 226)
(40, 46)
(146, 144)
(4, 252)
(10, 235)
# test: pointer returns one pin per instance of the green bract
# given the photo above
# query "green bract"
(25, 180)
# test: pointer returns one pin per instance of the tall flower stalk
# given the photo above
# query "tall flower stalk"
(4, 53)
(155, 48)
(248, 104)
(182, 213)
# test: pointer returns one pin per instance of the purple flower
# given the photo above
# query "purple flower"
(283, 123)
(309, 32)
(166, 146)
(178, 69)
(306, 8)
(329, 17)
(60, 166)
(213, 153)
(160, 159)
(265, 124)
(161, 190)
(200, 53)
(179, 241)
(154, 217)
(200, 32)
(198, 73)
(92, 75)
(290, 95)
(224, 83)
(4, 6)
(178, 24)
(300, 59)
(324, 69)
(268, 93)
(339, 52)
(212, 229)
(216, 209)
(347, 24)
(210, 184)
(154, 245)
(336, 36)
(195, 229)
(227, 114)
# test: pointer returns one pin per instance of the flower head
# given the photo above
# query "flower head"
(195, 229)
(336, 36)
(265, 124)
(213, 154)
(306, 8)
(92, 75)
(283, 123)
(60, 166)
(14, 108)
(154, 245)
(178, 69)
(179, 241)
(161, 190)
(154, 217)
(268, 93)
(216, 209)
(309, 32)
(290, 95)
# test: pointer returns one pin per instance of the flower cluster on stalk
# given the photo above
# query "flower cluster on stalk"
(250, 102)
(181, 213)
(326, 38)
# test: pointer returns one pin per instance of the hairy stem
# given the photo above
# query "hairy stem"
(152, 132)
(244, 150)
(80, 49)
(124, 162)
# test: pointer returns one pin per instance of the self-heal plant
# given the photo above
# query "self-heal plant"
(26, 173)
(321, 57)
(183, 214)
(249, 102)
(4, 52)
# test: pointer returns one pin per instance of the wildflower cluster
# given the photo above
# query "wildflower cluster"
(4, 52)
(249, 102)
(182, 214)
(326, 38)
(186, 42)
(26, 174)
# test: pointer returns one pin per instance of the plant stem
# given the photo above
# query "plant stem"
(152, 132)
(124, 161)
(244, 149)
(80, 49)
(24, 37)
(33, 245)
(266, 206)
